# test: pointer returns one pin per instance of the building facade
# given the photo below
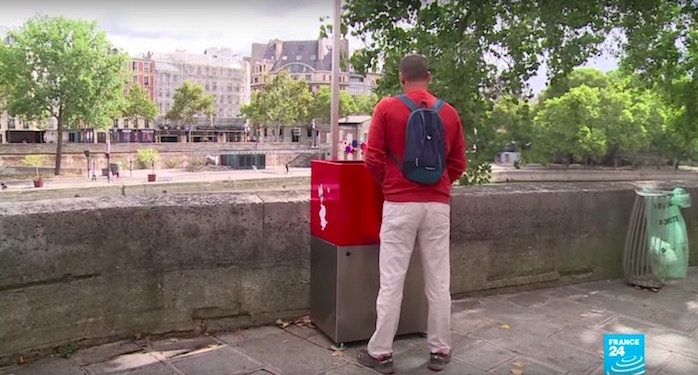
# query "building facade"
(220, 73)
(309, 60)
(362, 84)
(138, 71)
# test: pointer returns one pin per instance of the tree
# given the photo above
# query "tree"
(190, 101)
(571, 125)
(61, 68)
(590, 77)
(137, 105)
(477, 51)
(660, 45)
(365, 104)
(322, 102)
(282, 101)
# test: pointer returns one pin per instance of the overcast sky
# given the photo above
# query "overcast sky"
(148, 25)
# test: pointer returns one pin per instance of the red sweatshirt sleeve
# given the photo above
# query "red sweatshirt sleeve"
(455, 161)
(376, 149)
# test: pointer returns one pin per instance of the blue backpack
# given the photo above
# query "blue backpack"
(424, 159)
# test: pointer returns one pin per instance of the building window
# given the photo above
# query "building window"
(207, 86)
(296, 135)
(125, 124)
(310, 132)
(10, 123)
(146, 124)
(308, 77)
(213, 86)
(146, 67)
(135, 79)
(25, 125)
(115, 122)
(146, 81)
(134, 66)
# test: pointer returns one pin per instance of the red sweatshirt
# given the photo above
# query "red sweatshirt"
(387, 132)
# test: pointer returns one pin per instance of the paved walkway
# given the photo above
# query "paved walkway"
(544, 332)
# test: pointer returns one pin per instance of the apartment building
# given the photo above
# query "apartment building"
(362, 84)
(310, 60)
(221, 73)
(139, 71)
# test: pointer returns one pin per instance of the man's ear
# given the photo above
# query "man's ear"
(402, 79)
(428, 77)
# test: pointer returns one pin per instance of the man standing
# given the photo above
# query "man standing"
(415, 152)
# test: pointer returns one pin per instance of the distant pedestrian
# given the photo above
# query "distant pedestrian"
(287, 171)
(415, 159)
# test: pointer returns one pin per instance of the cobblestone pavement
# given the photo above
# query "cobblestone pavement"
(543, 332)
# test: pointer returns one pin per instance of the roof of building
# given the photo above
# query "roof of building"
(317, 54)
(354, 119)
(212, 57)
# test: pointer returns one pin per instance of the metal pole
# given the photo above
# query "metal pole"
(334, 106)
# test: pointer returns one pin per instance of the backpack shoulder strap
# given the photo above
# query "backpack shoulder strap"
(438, 104)
(408, 102)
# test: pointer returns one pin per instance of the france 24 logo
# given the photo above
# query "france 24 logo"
(623, 354)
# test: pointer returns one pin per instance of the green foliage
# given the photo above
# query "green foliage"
(61, 68)
(147, 157)
(477, 51)
(320, 109)
(661, 47)
(137, 105)
(594, 117)
(282, 101)
(477, 174)
(190, 100)
(365, 104)
(34, 160)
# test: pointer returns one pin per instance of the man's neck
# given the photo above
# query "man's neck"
(414, 87)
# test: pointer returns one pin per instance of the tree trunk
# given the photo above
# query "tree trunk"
(59, 146)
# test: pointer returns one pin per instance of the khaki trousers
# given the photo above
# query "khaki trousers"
(404, 224)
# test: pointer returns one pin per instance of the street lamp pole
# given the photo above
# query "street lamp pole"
(334, 106)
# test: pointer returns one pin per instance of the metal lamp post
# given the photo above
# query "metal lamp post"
(87, 157)
(334, 104)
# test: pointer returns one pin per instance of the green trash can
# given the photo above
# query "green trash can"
(656, 245)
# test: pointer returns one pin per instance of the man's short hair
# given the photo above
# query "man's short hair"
(414, 67)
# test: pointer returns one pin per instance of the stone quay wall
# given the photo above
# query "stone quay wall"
(89, 269)
(171, 155)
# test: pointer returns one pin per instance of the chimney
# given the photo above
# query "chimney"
(279, 48)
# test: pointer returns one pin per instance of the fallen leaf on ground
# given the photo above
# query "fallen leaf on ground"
(518, 364)
(303, 321)
(516, 371)
(584, 315)
(337, 353)
(282, 324)
(505, 326)
(285, 341)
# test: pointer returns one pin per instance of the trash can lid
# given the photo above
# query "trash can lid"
(680, 197)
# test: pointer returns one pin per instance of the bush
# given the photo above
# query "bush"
(173, 163)
(194, 164)
(147, 157)
(35, 161)
(477, 174)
